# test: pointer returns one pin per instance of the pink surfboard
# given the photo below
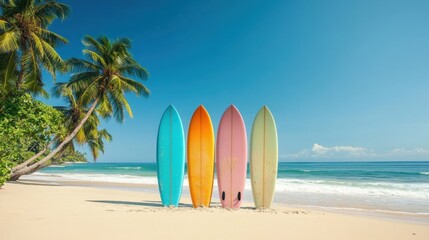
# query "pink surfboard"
(231, 158)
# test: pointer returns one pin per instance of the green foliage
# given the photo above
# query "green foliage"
(101, 80)
(5, 168)
(69, 155)
(96, 141)
(107, 75)
(8, 73)
(27, 46)
(74, 113)
(26, 127)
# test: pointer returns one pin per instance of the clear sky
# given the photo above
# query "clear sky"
(345, 80)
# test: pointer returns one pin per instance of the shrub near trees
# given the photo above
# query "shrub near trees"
(34, 135)
(26, 127)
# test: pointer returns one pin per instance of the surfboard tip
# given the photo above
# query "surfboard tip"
(266, 109)
(171, 106)
(233, 106)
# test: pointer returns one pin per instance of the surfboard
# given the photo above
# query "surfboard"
(200, 155)
(170, 157)
(231, 158)
(263, 158)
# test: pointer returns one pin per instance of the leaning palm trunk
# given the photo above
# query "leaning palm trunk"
(39, 164)
(30, 160)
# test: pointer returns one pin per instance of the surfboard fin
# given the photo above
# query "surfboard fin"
(239, 196)
(223, 195)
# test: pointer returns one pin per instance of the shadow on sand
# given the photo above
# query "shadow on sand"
(142, 203)
(33, 182)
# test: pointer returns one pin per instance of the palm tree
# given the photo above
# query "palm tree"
(26, 44)
(73, 113)
(88, 133)
(100, 82)
(96, 142)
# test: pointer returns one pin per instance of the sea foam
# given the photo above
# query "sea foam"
(381, 189)
(283, 185)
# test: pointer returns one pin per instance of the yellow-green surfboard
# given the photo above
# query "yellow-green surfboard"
(263, 158)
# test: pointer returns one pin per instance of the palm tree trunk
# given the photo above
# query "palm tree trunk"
(34, 170)
(30, 160)
(27, 170)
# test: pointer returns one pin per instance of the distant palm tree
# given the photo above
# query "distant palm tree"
(74, 113)
(100, 82)
(26, 44)
(96, 142)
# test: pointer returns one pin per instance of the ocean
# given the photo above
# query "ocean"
(367, 187)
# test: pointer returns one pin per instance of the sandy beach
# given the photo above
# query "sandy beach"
(32, 211)
(315, 112)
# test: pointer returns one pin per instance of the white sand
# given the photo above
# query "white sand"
(66, 212)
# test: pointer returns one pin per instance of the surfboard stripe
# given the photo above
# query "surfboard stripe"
(230, 152)
(171, 154)
(201, 158)
(263, 160)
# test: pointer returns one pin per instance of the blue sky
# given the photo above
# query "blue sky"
(345, 80)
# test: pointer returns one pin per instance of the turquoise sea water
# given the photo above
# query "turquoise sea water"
(402, 172)
(391, 187)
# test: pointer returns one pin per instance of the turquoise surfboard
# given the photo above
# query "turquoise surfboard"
(170, 157)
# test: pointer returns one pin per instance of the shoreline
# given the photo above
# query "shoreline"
(153, 189)
(362, 187)
(76, 212)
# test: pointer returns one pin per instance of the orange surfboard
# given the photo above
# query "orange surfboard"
(200, 155)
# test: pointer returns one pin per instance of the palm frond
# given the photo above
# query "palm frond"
(8, 69)
(37, 44)
(80, 65)
(54, 57)
(4, 25)
(105, 109)
(88, 93)
(134, 69)
(32, 74)
(118, 105)
(140, 88)
(51, 9)
(92, 44)
(80, 136)
(83, 79)
(53, 38)
(99, 60)
(105, 135)
(9, 41)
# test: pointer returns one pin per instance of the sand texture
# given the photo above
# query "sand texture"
(29, 211)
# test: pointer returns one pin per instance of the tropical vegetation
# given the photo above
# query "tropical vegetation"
(34, 135)
(27, 46)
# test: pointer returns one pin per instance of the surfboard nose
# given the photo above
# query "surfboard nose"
(170, 108)
(201, 106)
(266, 107)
